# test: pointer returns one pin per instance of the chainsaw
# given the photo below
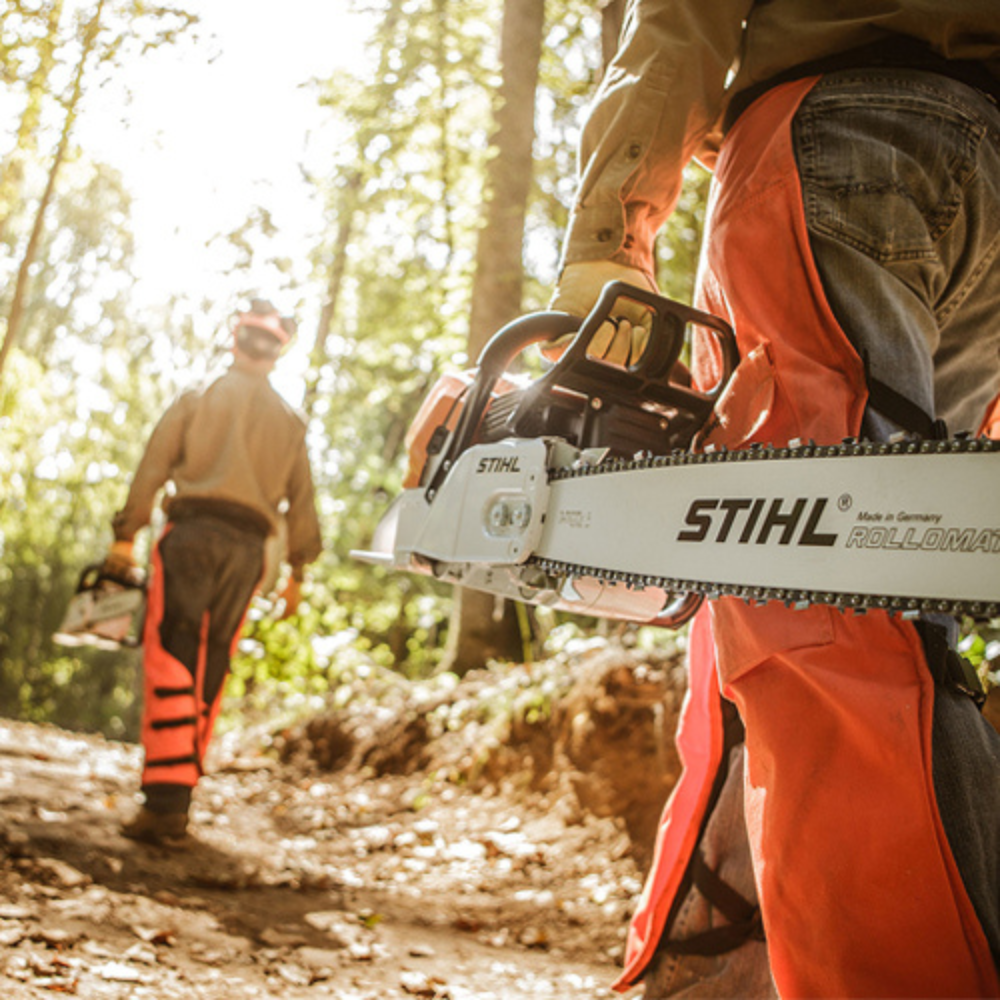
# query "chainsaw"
(587, 490)
(106, 610)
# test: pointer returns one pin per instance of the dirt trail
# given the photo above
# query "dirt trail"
(302, 883)
(403, 845)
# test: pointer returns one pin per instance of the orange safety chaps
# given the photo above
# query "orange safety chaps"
(183, 690)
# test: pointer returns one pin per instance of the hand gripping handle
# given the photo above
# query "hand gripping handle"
(649, 377)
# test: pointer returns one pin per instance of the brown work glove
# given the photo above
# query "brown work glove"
(291, 594)
(119, 563)
(580, 285)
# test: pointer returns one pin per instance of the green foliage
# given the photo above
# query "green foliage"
(980, 645)
(51, 54)
(679, 242)
(77, 401)
(59, 494)
(568, 77)
(88, 379)
(408, 179)
(82, 277)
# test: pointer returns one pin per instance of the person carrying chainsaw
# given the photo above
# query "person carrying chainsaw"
(852, 243)
(235, 454)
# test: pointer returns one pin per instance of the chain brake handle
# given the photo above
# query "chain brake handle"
(494, 359)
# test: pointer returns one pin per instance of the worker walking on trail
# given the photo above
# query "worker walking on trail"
(853, 243)
(235, 453)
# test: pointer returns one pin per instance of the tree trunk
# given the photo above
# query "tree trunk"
(12, 168)
(496, 289)
(15, 317)
(483, 627)
(320, 354)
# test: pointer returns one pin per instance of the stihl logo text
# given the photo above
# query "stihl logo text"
(497, 464)
(757, 521)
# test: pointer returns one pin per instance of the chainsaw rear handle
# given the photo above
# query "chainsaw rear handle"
(669, 318)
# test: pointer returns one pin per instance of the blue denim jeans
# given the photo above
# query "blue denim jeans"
(901, 183)
(900, 177)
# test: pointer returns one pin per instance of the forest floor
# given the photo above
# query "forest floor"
(473, 840)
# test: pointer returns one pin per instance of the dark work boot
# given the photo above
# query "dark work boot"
(163, 829)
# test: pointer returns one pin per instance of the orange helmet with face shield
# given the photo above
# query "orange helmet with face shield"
(262, 333)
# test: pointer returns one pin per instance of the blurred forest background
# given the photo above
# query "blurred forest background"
(439, 199)
(439, 212)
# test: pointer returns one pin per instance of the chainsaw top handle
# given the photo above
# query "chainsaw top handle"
(648, 378)
(647, 381)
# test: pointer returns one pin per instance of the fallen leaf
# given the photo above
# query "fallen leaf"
(294, 975)
(155, 935)
(419, 984)
(119, 972)
(61, 986)
(338, 926)
(96, 950)
(534, 937)
(13, 935)
(276, 937)
(321, 962)
(360, 951)
(63, 874)
(50, 815)
(41, 966)
(142, 953)
(54, 937)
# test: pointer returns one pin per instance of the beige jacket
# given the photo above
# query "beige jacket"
(235, 441)
(662, 100)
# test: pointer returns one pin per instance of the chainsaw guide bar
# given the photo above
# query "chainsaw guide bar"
(589, 490)
(877, 536)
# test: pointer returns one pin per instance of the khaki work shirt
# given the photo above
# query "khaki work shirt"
(235, 441)
(662, 100)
